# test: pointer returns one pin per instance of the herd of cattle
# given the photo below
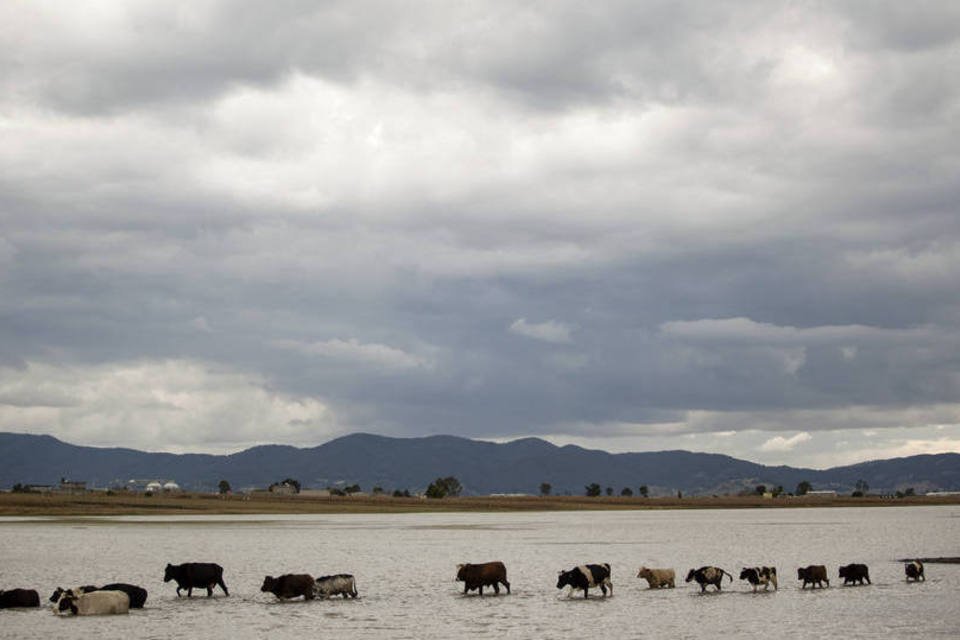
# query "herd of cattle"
(120, 597)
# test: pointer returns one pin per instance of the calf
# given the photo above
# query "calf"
(478, 576)
(914, 571)
(198, 575)
(93, 603)
(586, 576)
(815, 574)
(15, 598)
(758, 576)
(854, 573)
(708, 575)
(290, 585)
(342, 584)
(658, 578)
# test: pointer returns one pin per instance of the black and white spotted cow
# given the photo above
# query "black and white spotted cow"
(914, 571)
(708, 575)
(585, 577)
(137, 595)
(760, 577)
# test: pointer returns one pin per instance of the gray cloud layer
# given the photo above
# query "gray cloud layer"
(634, 226)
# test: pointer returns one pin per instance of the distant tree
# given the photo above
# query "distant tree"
(609, 491)
(377, 490)
(19, 488)
(679, 495)
(803, 488)
(293, 483)
(761, 489)
(336, 491)
(778, 490)
(862, 486)
(354, 488)
(401, 494)
(626, 492)
(910, 492)
(644, 491)
(224, 487)
(444, 487)
(545, 488)
(593, 490)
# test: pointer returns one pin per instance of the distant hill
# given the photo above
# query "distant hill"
(482, 467)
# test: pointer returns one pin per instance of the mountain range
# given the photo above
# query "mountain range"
(481, 467)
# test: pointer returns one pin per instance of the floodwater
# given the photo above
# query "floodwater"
(405, 566)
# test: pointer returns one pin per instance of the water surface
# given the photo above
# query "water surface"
(405, 565)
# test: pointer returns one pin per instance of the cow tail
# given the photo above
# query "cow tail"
(728, 575)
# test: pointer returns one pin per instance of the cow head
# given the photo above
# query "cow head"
(746, 573)
(844, 571)
(565, 578)
(461, 572)
(644, 573)
(67, 601)
(802, 573)
(170, 573)
(56, 594)
(691, 575)
(269, 583)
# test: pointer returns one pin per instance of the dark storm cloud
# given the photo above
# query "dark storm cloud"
(611, 224)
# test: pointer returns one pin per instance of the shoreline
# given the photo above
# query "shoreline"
(94, 504)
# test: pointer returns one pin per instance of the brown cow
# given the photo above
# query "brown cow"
(815, 574)
(658, 578)
(478, 576)
(290, 585)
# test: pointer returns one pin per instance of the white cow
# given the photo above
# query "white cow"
(94, 603)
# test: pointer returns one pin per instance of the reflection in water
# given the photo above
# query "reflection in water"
(405, 565)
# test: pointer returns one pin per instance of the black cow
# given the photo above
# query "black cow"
(200, 575)
(59, 591)
(14, 598)
(290, 585)
(815, 574)
(708, 575)
(855, 573)
(760, 576)
(914, 571)
(586, 576)
(486, 574)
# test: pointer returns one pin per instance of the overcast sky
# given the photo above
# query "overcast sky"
(729, 227)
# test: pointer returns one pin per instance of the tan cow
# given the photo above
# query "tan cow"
(658, 578)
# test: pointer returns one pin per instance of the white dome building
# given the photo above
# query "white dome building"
(171, 487)
(153, 487)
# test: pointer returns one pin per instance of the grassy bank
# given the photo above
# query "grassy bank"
(96, 504)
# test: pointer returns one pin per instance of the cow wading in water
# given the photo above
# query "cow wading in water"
(196, 575)
(914, 571)
(137, 595)
(290, 585)
(17, 598)
(658, 578)
(760, 576)
(486, 574)
(815, 574)
(854, 574)
(92, 603)
(586, 576)
(708, 575)
(341, 584)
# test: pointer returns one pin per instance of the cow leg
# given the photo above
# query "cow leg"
(209, 590)
(189, 592)
(603, 590)
(222, 586)
(481, 590)
(496, 588)
(507, 585)
(586, 592)
(464, 588)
